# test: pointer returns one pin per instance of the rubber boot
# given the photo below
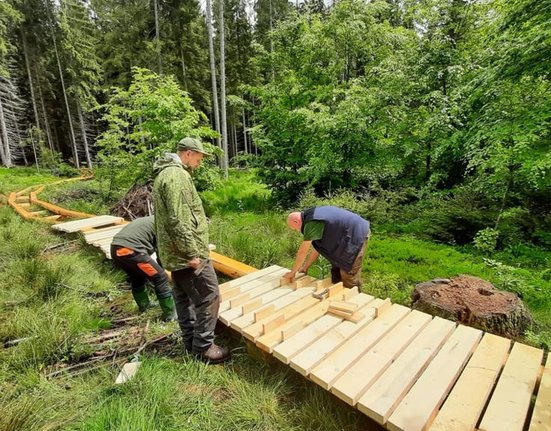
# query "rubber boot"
(142, 299)
(168, 308)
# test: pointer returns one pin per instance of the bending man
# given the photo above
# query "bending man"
(338, 235)
(131, 250)
(182, 236)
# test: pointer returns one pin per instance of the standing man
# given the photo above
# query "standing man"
(182, 237)
(131, 250)
(338, 235)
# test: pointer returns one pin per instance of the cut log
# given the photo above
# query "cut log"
(474, 302)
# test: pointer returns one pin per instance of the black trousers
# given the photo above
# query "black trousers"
(141, 268)
(197, 302)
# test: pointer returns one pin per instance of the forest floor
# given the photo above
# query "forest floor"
(62, 304)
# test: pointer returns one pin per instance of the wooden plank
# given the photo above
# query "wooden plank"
(420, 405)
(380, 400)
(243, 322)
(253, 304)
(338, 362)
(288, 312)
(322, 284)
(464, 404)
(307, 359)
(269, 340)
(511, 398)
(241, 299)
(257, 287)
(249, 277)
(541, 417)
(346, 306)
(94, 234)
(304, 282)
(75, 226)
(227, 295)
(365, 370)
(304, 337)
(273, 323)
(102, 242)
(90, 230)
(229, 266)
(354, 317)
(128, 371)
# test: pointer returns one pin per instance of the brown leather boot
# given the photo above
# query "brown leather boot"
(214, 354)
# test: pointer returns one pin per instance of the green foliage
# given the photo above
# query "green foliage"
(486, 240)
(143, 122)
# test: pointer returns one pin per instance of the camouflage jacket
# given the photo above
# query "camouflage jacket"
(180, 221)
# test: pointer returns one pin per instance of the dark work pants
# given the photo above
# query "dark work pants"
(140, 268)
(354, 277)
(197, 301)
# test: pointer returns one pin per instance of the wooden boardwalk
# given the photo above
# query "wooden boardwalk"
(405, 369)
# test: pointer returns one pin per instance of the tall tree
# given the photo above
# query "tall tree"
(223, 125)
(215, 110)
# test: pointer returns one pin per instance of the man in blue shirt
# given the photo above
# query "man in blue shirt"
(339, 235)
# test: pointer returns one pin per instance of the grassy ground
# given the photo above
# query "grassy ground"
(56, 292)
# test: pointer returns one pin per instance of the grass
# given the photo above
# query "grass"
(56, 296)
(54, 292)
(15, 179)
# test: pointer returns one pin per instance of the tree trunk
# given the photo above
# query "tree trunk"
(31, 86)
(6, 152)
(223, 90)
(474, 302)
(84, 138)
(271, 41)
(46, 122)
(245, 133)
(182, 60)
(157, 36)
(215, 110)
(234, 130)
(71, 129)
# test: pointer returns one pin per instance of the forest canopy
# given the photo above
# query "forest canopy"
(435, 114)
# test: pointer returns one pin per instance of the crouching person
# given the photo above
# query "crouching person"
(131, 251)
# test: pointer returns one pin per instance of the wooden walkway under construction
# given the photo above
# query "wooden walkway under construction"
(405, 369)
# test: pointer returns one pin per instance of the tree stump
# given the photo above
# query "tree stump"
(475, 302)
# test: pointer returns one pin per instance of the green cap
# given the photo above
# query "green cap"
(192, 144)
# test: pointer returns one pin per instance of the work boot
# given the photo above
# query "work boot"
(214, 354)
(142, 299)
(168, 308)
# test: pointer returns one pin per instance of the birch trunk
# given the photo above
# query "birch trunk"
(223, 89)
(84, 138)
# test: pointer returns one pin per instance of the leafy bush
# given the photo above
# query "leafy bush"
(486, 240)
(143, 122)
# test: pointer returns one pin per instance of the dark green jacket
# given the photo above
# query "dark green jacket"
(180, 221)
(138, 235)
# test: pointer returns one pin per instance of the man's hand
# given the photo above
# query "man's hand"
(194, 263)
(290, 276)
